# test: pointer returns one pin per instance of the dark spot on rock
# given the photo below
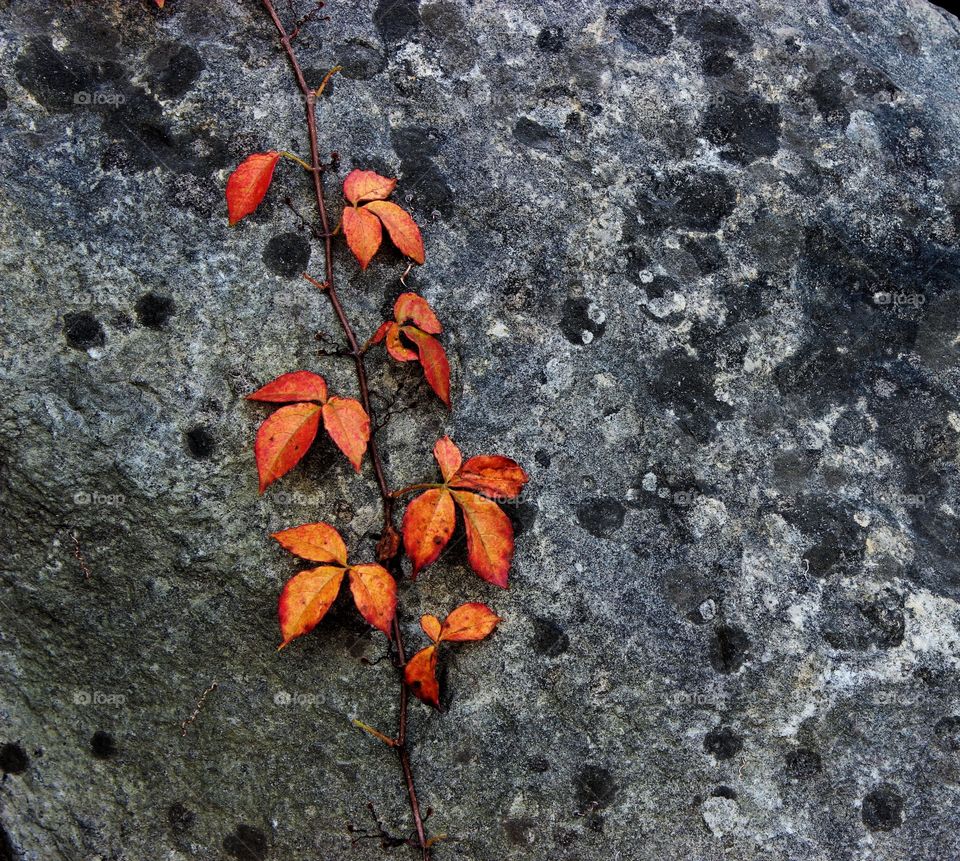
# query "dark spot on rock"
(595, 787)
(246, 844)
(520, 832)
(849, 429)
(287, 254)
(685, 385)
(522, 515)
(538, 764)
(601, 517)
(200, 442)
(3, 99)
(542, 458)
(549, 639)
(744, 127)
(174, 69)
(703, 200)
(55, 80)
(153, 310)
(6, 846)
(831, 96)
(858, 626)
(882, 809)
(718, 34)
(536, 136)
(724, 792)
(396, 20)
(947, 732)
(706, 252)
(102, 745)
(803, 763)
(180, 816)
(83, 331)
(645, 31)
(722, 743)
(729, 648)
(840, 7)
(424, 186)
(582, 321)
(905, 136)
(551, 40)
(13, 759)
(360, 61)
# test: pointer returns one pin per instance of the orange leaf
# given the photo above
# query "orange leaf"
(448, 456)
(489, 537)
(306, 598)
(492, 475)
(375, 594)
(469, 622)
(436, 368)
(420, 674)
(249, 183)
(403, 230)
(428, 524)
(396, 347)
(283, 439)
(431, 627)
(363, 233)
(318, 542)
(295, 386)
(367, 185)
(381, 333)
(159, 3)
(411, 308)
(348, 426)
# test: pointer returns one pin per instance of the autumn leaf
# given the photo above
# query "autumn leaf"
(448, 457)
(428, 524)
(348, 426)
(295, 386)
(436, 368)
(159, 3)
(467, 623)
(431, 627)
(318, 542)
(420, 674)
(403, 230)
(361, 185)
(411, 308)
(363, 233)
(492, 475)
(396, 347)
(306, 598)
(283, 439)
(248, 184)
(489, 537)
(375, 594)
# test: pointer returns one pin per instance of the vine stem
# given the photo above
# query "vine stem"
(316, 171)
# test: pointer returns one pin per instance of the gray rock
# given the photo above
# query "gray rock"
(698, 267)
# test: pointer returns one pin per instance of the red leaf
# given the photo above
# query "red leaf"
(295, 386)
(469, 622)
(283, 439)
(489, 537)
(431, 627)
(492, 475)
(403, 230)
(367, 185)
(159, 3)
(448, 456)
(375, 594)
(305, 600)
(436, 368)
(428, 524)
(249, 183)
(411, 308)
(381, 333)
(396, 347)
(420, 674)
(363, 233)
(318, 542)
(348, 426)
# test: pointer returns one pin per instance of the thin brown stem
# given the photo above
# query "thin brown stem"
(317, 172)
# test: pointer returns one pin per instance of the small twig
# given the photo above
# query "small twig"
(196, 712)
(405, 274)
(81, 559)
(359, 724)
(326, 79)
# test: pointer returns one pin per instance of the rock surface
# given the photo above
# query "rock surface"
(699, 271)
